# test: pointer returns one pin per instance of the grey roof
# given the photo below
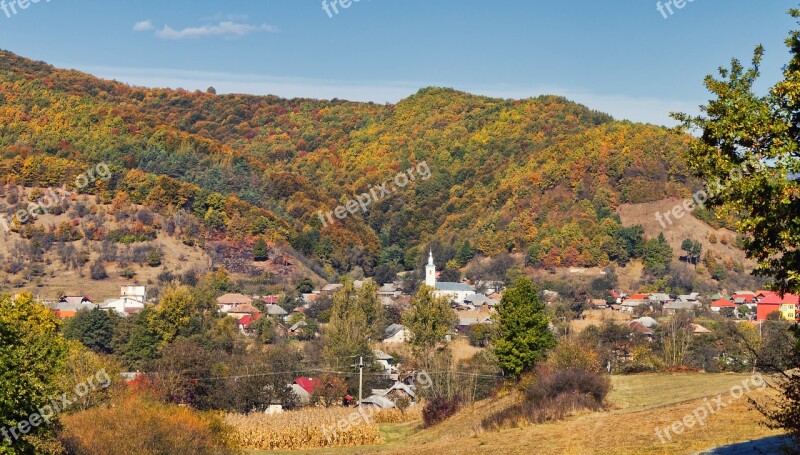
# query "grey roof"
(298, 325)
(647, 322)
(463, 322)
(680, 305)
(480, 299)
(275, 310)
(634, 302)
(332, 287)
(388, 287)
(74, 306)
(393, 329)
(379, 401)
(453, 287)
(380, 355)
(660, 297)
(396, 386)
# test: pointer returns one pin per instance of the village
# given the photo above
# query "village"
(637, 314)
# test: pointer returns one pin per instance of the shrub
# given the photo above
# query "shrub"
(439, 409)
(137, 425)
(553, 395)
(97, 271)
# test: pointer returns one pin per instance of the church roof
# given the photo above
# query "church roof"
(444, 286)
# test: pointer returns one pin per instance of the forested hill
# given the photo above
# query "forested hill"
(541, 174)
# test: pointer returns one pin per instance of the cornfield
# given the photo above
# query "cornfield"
(308, 428)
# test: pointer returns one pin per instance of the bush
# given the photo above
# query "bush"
(97, 271)
(553, 395)
(136, 425)
(439, 409)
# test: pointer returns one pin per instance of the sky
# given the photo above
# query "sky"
(623, 57)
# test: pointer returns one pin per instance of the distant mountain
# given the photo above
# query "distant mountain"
(542, 175)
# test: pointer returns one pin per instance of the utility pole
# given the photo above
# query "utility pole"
(360, 378)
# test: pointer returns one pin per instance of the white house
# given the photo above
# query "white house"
(396, 333)
(457, 292)
(132, 300)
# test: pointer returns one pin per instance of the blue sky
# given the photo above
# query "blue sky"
(618, 56)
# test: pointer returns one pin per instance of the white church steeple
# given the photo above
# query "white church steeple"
(430, 271)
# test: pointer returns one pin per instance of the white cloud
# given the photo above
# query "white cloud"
(637, 109)
(225, 29)
(143, 26)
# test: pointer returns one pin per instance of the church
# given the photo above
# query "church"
(457, 292)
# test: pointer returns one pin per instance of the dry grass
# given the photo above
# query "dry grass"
(679, 230)
(597, 317)
(639, 405)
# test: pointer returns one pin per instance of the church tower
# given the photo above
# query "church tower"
(430, 271)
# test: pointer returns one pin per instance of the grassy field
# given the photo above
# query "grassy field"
(639, 404)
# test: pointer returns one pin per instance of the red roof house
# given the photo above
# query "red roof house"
(722, 303)
(307, 384)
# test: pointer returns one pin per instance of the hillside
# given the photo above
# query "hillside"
(542, 175)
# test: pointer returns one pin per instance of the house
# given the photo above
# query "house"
(385, 360)
(398, 390)
(240, 311)
(679, 305)
(467, 319)
(647, 322)
(660, 299)
(396, 333)
(639, 296)
(478, 300)
(457, 292)
(304, 387)
(245, 323)
(297, 328)
(68, 307)
(630, 304)
(275, 310)
(637, 327)
(598, 303)
(741, 299)
(132, 300)
(693, 297)
(718, 305)
(378, 402)
(271, 299)
(787, 306)
(330, 289)
(227, 301)
(389, 290)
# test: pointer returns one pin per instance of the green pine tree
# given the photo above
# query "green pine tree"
(524, 332)
(260, 250)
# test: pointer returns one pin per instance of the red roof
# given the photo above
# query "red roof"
(273, 299)
(246, 321)
(639, 296)
(772, 299)
(722, 303)
(615, 294)
(747, 297)
(308, 384)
